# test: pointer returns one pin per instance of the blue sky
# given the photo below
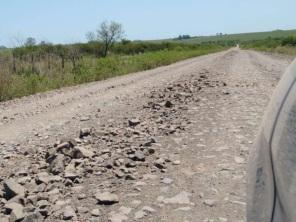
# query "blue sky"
(66, 21)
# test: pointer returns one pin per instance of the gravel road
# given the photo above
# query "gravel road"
(169, 144)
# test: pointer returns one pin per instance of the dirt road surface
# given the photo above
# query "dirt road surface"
(169, 144)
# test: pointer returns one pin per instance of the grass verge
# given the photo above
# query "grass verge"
(92, 69)
(286, 50)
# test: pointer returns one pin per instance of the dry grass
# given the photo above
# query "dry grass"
(25, 82)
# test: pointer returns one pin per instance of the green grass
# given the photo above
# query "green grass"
(286, 45)
(92, 69)
(241, 37)
(286, 50)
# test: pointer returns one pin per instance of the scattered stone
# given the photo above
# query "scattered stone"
(167, 180)
(33, 217)
(95, 212)
(42, 177)
(84, 132)
(117, 217)
(57, 165)
(81, 152)
(84, 118)
(82, 210)
(136, 203)
(119, 173)
(239, 160)
(130, 164)
(149, 143)
(140, 183)
(181, 198)
(124, 210)
(81, 196)
(64, 145)
(140, 214)
(16, 211)
(160, 163)
(104, 151)
(183, 209)
(149, 177)
(69, 213)
(121, 215)
(130, 177)
(106, 198)
(42, 204)
(139, 156)
(176, 162)
(168, 104)
(145, 211)
(12, 189)
(210, 202)
(133, 122)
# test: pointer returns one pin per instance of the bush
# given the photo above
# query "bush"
(289, 41)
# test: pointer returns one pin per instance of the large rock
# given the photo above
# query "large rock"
(71, 172)
(81, 152)
(16, 211)
(138, 156)
(160, 163)
(84, 132)
(106, 198)
(96, 212)
(42, 177)
(12, 189)
(34, 217)
(57, 166)
(168, 104)
(65, 148)
(69, 213)
(134, 122)
(64, 145)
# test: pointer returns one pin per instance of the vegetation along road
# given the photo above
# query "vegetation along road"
(168, 144)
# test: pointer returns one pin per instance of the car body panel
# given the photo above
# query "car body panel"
(263, 204)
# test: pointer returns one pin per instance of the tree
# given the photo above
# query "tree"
(109, 33)
(91, 36)
(30, 41)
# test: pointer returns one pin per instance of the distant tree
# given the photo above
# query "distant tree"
(125, 41)
(108, 34)
(180, 37)
(30, 41)
(43, 42)
(17, 41)
(90, 36)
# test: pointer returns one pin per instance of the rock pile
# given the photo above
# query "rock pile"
(114, 151)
